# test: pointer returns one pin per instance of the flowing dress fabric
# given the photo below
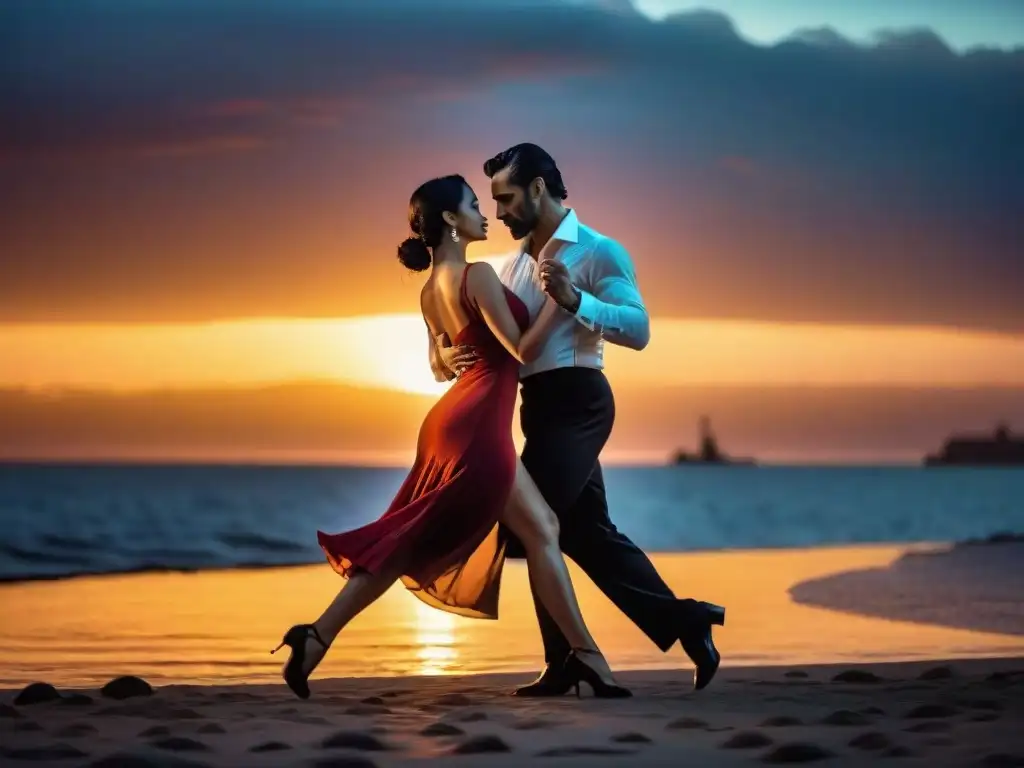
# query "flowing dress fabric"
(443, 522)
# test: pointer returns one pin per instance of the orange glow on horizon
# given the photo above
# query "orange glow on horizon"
(388, 352)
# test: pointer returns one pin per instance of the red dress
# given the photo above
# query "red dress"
(444, 517)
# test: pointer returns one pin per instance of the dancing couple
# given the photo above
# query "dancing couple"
(469, 501)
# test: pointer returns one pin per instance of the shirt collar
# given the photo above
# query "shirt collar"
(568, 231)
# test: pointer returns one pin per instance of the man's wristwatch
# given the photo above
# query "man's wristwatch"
(573, 307)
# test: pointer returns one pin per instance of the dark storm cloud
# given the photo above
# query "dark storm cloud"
(117, 74)
(885, 175)
(112, 76)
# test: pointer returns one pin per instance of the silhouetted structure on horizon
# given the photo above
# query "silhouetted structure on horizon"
(1001, 449)
(709, 453)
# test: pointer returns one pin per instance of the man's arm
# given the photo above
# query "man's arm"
(449, 362)
(613, 306)
(437, 366)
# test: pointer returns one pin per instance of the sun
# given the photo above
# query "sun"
(387, 352)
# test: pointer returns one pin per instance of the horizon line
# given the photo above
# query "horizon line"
(50, 390)
(899, 326)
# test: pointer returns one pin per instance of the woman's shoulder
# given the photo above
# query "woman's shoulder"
(480, 273)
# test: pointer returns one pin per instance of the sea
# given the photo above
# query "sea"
(64, 520)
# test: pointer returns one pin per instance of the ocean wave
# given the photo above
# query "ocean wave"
(244, 541)
(12, 577)
(64, 521)
(40, 556)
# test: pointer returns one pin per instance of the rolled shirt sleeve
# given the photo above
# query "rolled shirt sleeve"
(610, 301)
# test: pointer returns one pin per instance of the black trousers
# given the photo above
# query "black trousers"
(566, 417)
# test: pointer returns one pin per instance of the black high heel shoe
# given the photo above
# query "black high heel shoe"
(295, 638)
(578, 671)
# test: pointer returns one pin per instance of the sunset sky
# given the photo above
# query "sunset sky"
(826, 198)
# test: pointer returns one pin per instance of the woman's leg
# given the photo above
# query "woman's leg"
(533, 522)
(359, 592)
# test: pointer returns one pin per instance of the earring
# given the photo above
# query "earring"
(455, 235)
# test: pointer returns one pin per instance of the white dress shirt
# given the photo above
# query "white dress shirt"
(610, 307)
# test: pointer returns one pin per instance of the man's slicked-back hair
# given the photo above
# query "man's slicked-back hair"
(525, 163)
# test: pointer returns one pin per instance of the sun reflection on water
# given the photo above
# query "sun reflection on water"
(435, 636)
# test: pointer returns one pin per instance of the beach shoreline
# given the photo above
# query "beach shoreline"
(844, 655)
(849, 605)
(915, 545)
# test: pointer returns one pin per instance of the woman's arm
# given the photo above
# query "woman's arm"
(486, 290)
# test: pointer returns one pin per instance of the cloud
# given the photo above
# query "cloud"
(816, 178)
(109, 76)
(121, 73)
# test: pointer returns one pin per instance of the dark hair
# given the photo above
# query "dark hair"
(526, 162)
(430, 200)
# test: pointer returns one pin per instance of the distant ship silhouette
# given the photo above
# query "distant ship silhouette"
(1001, 449)
(709, 453)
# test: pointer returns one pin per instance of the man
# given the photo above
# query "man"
(568, 409)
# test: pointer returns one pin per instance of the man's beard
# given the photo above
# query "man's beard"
(520, 228)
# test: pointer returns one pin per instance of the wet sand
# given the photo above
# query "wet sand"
(217, 627)
(845, 656)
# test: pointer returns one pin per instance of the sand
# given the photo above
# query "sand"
(977, 586)
(951, 714)
(923, 650)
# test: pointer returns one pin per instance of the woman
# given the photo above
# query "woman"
(440, 535)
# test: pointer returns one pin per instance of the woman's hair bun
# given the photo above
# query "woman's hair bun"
(414, 255)
(427, 207)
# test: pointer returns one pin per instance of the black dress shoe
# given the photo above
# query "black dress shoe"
(553, 681)
(700, 646)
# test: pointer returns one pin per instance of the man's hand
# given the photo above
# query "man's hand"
(458, 358)
(555, 278)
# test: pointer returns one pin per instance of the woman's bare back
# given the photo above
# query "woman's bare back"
(441, 302)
